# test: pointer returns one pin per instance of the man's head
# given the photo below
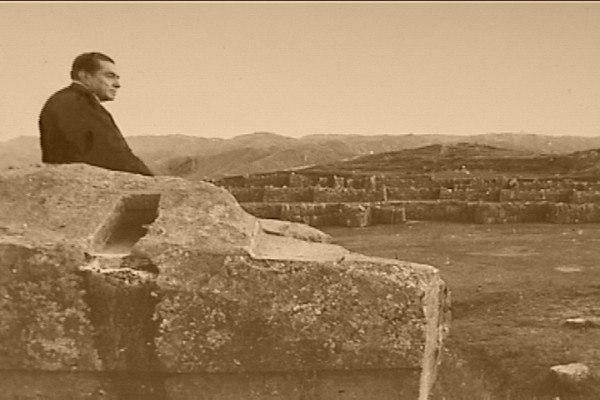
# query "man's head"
(96, 71)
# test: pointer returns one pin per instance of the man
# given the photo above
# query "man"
(75, 127)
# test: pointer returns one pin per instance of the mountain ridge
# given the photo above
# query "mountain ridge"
(468, 159)
(197, 157)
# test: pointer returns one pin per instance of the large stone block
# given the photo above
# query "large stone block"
(44, 320)
(150, 288)
(266, 315)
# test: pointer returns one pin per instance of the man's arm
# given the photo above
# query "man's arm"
(93, 138)
(66, 125)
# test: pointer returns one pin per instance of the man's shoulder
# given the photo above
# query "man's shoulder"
(66, 96)
(65, 93)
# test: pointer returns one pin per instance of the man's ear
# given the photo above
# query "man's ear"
(82, 75)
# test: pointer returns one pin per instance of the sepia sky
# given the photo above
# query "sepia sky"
(220, 69)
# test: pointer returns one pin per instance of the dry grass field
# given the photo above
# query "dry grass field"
(513, 286)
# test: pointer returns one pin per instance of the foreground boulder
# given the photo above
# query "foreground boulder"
(156, 288)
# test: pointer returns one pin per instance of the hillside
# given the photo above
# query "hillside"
(468, 159)
(22, 150)
(241, 161)
(205, 158)
(541, 144)
(288, 153)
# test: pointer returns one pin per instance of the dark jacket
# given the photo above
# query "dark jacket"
(75, 127)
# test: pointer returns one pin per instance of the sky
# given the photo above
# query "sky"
(221, 69)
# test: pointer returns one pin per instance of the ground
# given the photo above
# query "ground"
(512, 287)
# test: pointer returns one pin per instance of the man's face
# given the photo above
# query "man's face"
(104, 82)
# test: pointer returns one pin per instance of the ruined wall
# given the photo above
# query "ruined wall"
(300, 180)
(475, 212)
(412, 193)
(469, 194)
(394, 212)
(386, 214)
(347, 195)
(562, 213)
(501, 213)
(503, 199)
(363, 188)
(329, 214)
(313, 214)
(554, 195)
(288, 194)
(585, 196)
(447, 210)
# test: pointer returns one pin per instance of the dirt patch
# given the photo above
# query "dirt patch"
(512, 286)
(509, 251)
(568, 269)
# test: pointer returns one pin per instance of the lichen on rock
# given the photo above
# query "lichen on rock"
(201, 287)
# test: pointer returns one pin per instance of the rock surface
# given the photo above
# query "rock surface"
(165, 281)
(293, 229)
(582, 323)
(570, 374)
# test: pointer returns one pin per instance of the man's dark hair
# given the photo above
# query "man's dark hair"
(88, 62)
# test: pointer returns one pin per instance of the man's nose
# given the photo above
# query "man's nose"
(116, 84)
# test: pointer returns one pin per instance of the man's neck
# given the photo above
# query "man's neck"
(82, 85)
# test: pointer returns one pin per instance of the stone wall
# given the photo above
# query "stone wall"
(394, 212)
(330, 214)
(522, 194)
(313, 214)
(562, 213)
(300, 180)
(587, 196)
(412, 193)
(288, 194)
(441, 210)
(511, 212)
(469, 194)
(475, 212)
(495, 200)
(385, 214)
(347, 195)
(371, 188)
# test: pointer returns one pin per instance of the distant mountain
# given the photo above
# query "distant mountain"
(468, 159)
(247, 160)
(541, 144)
(22, 150)
(204, 158)
(158, 151)
(261, 140)
(288, 153)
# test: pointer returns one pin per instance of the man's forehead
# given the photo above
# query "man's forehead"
(107, 66)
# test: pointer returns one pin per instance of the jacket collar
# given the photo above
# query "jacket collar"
(78, 87)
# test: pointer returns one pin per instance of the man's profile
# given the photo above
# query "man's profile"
(76, 128)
